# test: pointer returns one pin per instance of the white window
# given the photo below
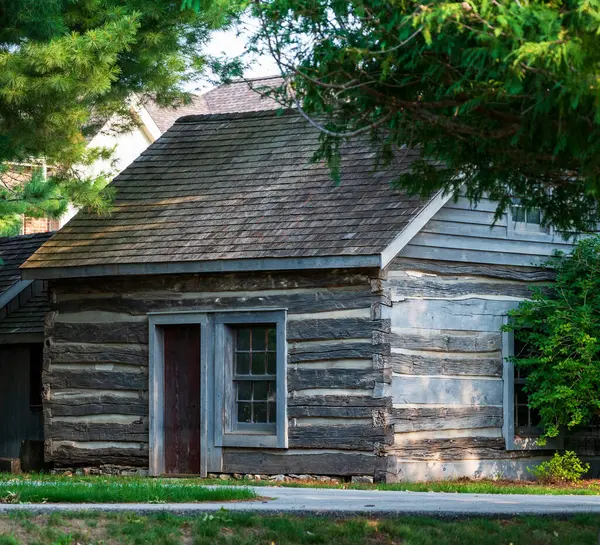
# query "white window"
(521, 423)
(526, 223)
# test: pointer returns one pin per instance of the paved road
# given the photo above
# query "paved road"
(320, 501)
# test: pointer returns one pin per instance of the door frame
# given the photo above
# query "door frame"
(156, 366)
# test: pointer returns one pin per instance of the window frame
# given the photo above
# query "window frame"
(213, 325)
(512, 440)
(541, 234)
(229, 434)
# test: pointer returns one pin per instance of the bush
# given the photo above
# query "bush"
(561, 469)
(560, 326)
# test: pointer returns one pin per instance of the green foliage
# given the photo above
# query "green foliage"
(501, 96)
(67, 67)
(560, 325)
(561, 469)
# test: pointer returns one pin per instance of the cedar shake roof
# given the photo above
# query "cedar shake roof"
(236, 187)
(14, 251)
(238, 96)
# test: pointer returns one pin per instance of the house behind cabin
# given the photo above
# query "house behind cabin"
(240, 312)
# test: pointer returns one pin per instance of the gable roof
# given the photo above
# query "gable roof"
(14, 251)
(238, 191)
(238, 96)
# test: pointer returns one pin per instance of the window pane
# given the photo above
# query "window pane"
(242, 363)
(520, 394)
(518, 214)
(272, 390)
(243, 339)
(272, 412)
(260, 412)
(271, 338)
(244, 390)
(259, 338)
(271, 363)
(534, 216)
(522, 415)
(261, 390)
(259, 363)
(244, 412)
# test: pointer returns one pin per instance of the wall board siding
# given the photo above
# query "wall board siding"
(460, 232)
(97, 360)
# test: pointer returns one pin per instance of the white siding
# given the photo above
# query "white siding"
(459, 232)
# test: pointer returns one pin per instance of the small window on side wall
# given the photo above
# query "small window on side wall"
(250, 360)
(526, 222)
(521, 423)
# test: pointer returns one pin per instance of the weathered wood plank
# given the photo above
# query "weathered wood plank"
(462, 315)
(98, 404)
(121, 332)
(305, 302)
(340, 437)
(338, 401)
(59, 430)
(72, 456)
(339, 463)
(442, 287)
(318, 352)
(98, 353)
(444, 418)
(303, 379)
(324, 411)
(526, 274)
(99, 380)
(448, 341)
(437, 390)
(209, 283)
(343, 328)
(413, 364)
(461, 448)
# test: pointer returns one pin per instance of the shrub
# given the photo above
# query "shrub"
(561, 469)
(560, 325)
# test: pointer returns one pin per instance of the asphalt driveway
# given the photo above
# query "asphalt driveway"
(336, 502)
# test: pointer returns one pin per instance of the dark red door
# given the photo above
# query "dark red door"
(182, 398)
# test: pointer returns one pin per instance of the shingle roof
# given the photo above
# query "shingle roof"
(239, 186)
(32, 304)
(14, 251)
(238, 96)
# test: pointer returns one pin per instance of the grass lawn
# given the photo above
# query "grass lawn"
(112, 490)
(239, 529)
(58, 488)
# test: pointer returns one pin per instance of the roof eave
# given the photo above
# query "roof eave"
(216, 266)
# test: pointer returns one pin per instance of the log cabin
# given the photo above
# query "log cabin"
(241, 312)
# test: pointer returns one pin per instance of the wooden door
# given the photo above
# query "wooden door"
(182, 399)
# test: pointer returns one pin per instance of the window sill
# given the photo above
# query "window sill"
(250, 440)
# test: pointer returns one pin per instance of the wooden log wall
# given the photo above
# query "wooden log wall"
(446, 363)
(96, 366)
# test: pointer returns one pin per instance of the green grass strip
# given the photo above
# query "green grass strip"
(125, 491)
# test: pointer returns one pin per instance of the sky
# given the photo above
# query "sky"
(232, 43)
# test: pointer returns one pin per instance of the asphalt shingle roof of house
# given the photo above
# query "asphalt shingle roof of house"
(238, 96)
(239, 186)
(14, 251)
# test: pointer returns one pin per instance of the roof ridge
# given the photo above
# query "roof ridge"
(235, 115)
